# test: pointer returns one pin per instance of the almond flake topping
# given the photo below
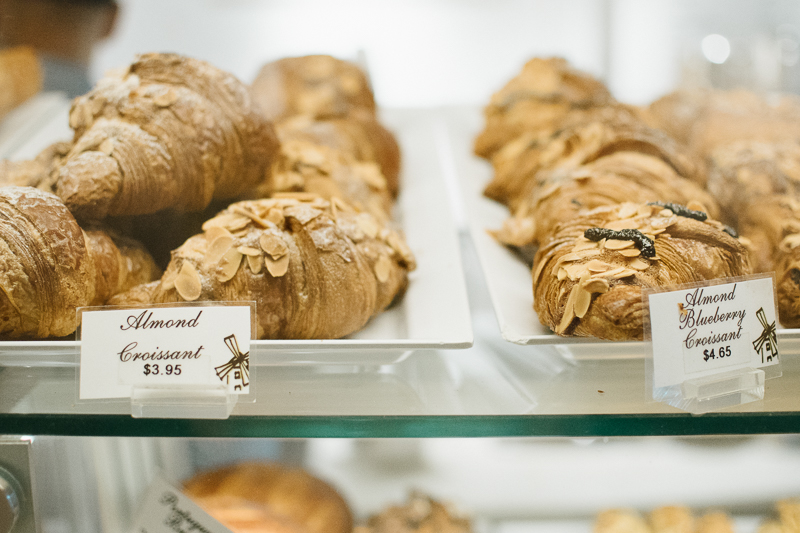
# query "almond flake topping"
(639, 264)
(107, 146)
(228, 221)
(218, 248)
(627, 210)
(273, 245)
(383, 267)
(616, 244)
(216, 231)
(247, 250)
(277, 267)
(188, 283)
(229, 265)
(595, 265)
(255, 263)
(368, 225)
(630, 252)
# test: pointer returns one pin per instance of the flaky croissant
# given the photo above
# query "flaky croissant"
(169, 132)
(320, 86)
(562, 194)
(589, 276)
(537, 100)
(358, 134)
(316, 269)
(49, 266)
(307, 167)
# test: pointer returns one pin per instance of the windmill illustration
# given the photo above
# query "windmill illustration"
(239, 365)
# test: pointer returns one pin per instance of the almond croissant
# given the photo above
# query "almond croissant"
(169, 132)
(49, 266)
(588, 277)
(316, 269)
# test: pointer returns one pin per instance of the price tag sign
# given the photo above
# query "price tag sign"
(165, 509)
(714, 328)
(164, 345)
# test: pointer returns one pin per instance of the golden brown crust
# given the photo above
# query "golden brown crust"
(38, 172)
(587, 288)
(537, 100)
(20, 77)
(358, 134)
(563, 193)
(289, 494)
(50, 266)
(308, 167)
(517, 166)
(170, 132)
(317, 85)
(301, 259)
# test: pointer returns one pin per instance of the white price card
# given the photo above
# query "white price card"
(165, 509)
(713, 328)
(162, 346)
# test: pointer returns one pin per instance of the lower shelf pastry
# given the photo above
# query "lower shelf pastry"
(49, 265)
(589, 275)
(260, 496)
(666, 519)
(420, 514)
(301, 258)
(20, 77)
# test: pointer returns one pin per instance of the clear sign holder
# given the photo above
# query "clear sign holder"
(154, 401)
(740, 363)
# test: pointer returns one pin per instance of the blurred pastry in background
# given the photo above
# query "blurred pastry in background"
(20, 77)
(63, 34)
(320, 86)
(665, 519)
(298, 501)
(420, 514)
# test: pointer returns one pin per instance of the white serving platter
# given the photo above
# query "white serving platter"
(508, 277)
(433, 313)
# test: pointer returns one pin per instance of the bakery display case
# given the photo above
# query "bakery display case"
(456, 394)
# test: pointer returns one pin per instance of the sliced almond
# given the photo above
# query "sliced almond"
(239, 210)
(368, 225)
(228, 221)
(630, 252)
(277, 267)
(255, 263)
(248, 251)
(627, 210)
(273, 245)
(302, 213)
(275, 215)
(569, 311)
(663, 222)
(216, 231)
(626, 272)
(584, 244)
(618, 244)
(167, 98)
(595, 265)
(627, 223)
(561, 275)
(575, 270)
(639, 264)
(188, 283)
(229, 265)
(666, 213)
(611, 273)
(694, 205)
(644, 210)
(596, 285)
(656, 231)
(582, 300)
(107, 146)
(218, 248)
(383, 267)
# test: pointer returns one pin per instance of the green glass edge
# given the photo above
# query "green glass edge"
(405, 426)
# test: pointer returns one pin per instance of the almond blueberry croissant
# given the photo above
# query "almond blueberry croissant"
(169, 132)
(49, 266)
(316, 269)
(589, 276)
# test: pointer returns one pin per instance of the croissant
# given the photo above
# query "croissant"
(289, 495)
(562, 194)
(589, 275)
(20, 77)
(359, 134)
(317, 169)
(242, 516)
(516, 173)
(38, 172)
(317, 85)
(537, 100)
(302, 259)
(50, 266)
(169, 132)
